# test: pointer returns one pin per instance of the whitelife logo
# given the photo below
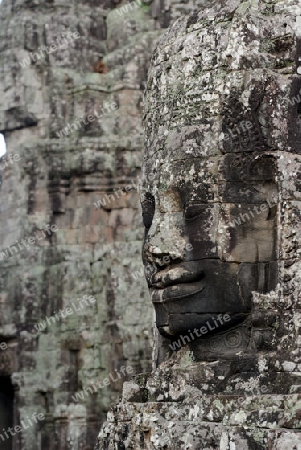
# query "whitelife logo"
(22, 426)
(121, 191)
(79, 122)
(210, 326)
(100, 384)
(9, 159)
(61, 42)
(82, 304)
(26, 242)
(255, 210)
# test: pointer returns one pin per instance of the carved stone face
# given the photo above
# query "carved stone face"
(210, 234)
(221, 175)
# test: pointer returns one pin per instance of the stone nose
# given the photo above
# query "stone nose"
(164, 242)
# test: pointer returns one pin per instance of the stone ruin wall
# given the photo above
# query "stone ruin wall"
(56, 182)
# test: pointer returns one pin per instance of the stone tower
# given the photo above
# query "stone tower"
(221, 206)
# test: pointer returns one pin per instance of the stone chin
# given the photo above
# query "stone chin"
(173, 324)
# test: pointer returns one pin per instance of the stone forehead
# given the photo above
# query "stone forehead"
(220, 68)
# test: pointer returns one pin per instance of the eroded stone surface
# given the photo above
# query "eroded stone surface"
(223, 131)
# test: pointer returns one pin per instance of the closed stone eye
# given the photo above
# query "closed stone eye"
(193, 211)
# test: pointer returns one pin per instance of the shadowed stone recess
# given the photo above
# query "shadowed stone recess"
(221, 206)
